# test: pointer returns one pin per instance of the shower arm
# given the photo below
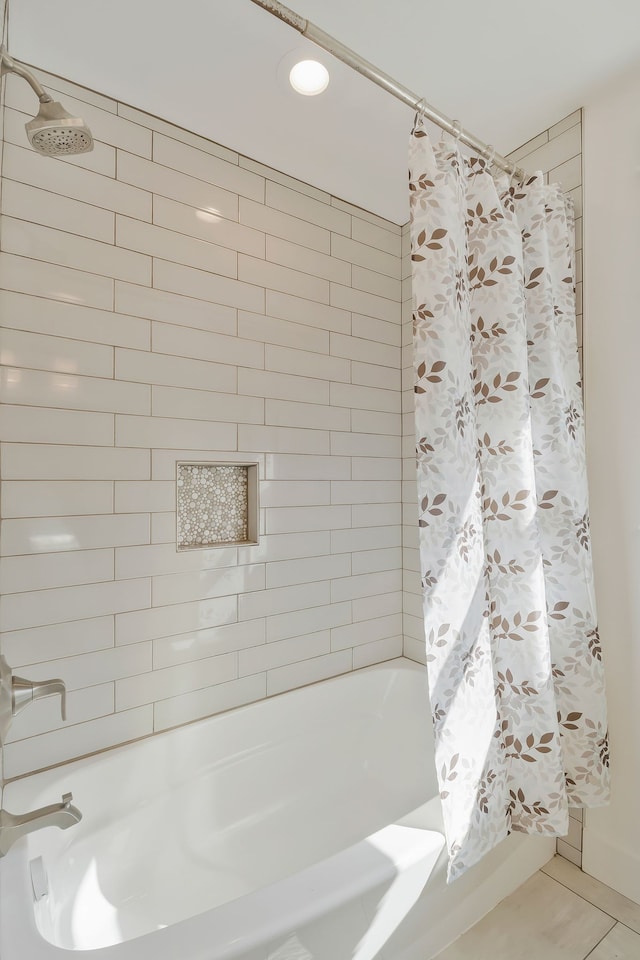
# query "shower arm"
(377, 76)
(9, 65)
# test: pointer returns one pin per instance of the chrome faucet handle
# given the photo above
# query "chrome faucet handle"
(16, 693)
(23, 692)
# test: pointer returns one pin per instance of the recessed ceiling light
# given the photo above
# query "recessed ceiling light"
(309, 77)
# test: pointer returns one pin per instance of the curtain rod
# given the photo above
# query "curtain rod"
(356, 62)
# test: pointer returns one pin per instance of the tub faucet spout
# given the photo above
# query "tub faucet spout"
(14, 826)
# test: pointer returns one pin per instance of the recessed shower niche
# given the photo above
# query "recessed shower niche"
(216, 504)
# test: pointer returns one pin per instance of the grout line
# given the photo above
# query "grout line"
(592, 951)
(586, 899)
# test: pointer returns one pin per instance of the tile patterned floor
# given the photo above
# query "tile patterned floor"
(559, 914)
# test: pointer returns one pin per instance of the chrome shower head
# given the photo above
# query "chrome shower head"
(55, 133)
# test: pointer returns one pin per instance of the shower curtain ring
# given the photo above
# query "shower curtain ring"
(490, 154)
(456, 133)
(420, 108)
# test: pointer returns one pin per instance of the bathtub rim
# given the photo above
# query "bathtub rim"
(399, 663)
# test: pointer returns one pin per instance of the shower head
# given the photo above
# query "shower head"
(55, 133)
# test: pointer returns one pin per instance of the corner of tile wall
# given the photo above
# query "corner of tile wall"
(412, 617)
(3, 40)
(164, 299)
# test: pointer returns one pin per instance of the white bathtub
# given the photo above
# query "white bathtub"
(304, 827)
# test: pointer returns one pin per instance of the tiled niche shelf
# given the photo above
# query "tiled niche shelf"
(216, 504)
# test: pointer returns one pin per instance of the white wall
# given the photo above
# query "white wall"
(164, 298)
(612, 351)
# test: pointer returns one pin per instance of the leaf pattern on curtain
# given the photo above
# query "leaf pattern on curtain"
(513, 654)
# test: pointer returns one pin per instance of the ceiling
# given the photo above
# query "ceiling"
(505, 68)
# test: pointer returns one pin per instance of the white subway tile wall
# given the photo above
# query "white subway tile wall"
(164, 300)
(557, 152)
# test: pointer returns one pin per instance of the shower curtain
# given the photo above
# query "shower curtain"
(513, 653)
